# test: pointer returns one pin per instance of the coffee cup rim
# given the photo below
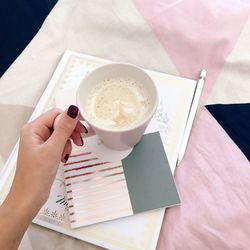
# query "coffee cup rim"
(144, 121)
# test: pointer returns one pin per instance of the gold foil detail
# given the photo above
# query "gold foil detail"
(75, 162)
(76, 155)
(94, 186)
(94, 178)
(92, 172)
(106, 198)
(99, 216)
(87, 166)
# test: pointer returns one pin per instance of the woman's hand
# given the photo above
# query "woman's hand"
(44, 142)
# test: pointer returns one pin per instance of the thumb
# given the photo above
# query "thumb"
(63, 128)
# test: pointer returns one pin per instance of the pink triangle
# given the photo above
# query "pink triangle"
(214, 182)
(196, 34)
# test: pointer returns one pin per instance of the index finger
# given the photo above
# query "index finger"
(47, 119)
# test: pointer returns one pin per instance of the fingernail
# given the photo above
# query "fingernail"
(72, 111)
(86, 131)
(82, 140)
(66, 157)
(51, 130)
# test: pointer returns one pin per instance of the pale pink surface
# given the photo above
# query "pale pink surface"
(214, 185)
(196, 34)
(214, 177)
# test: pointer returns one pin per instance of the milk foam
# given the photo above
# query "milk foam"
(118, 103)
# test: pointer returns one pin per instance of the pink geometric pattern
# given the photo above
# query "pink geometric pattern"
(214, 183)
(196, 34)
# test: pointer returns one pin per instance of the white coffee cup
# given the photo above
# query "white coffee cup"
(118, 139)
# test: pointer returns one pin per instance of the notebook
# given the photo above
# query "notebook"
(100, 189)
(168, 129)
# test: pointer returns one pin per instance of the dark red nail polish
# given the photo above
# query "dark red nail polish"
(82, 140)
(86, 131)
(72, 111)
(51, 130)
(66, 157)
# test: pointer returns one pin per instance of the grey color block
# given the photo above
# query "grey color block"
(148, 175)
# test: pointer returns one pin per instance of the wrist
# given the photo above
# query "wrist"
(16, 215)
(26, 197)
(22, 206)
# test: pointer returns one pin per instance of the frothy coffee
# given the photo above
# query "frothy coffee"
(118, 103)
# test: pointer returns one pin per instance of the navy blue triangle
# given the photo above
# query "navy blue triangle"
(235, 120)
(19, 22)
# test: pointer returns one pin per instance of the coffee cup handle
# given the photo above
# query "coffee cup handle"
(91, 132)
